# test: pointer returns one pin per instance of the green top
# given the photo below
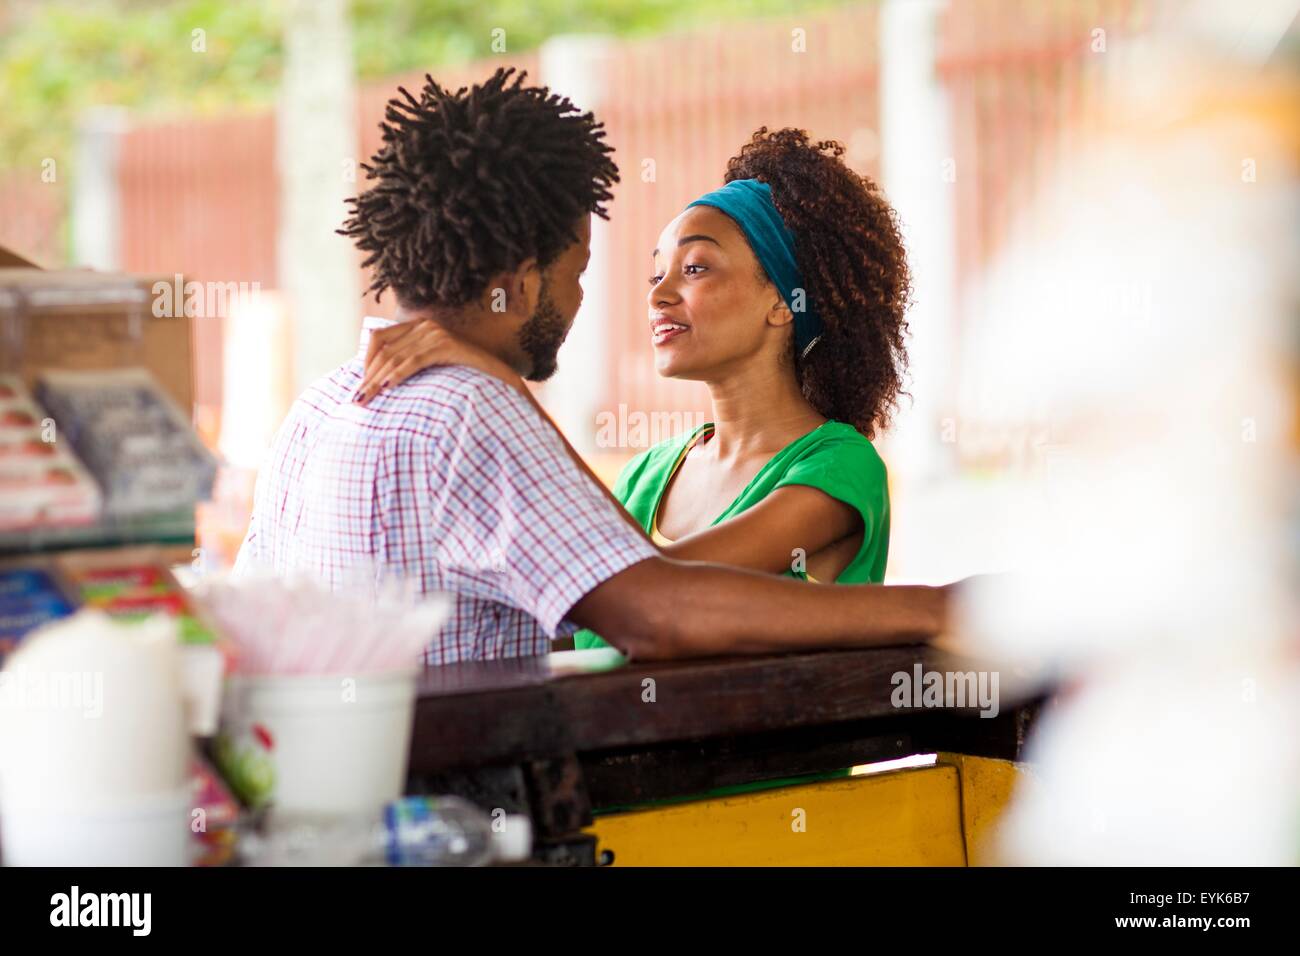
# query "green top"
(833, 457)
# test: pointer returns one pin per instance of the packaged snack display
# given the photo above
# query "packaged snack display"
(133, 589)
(132, 438)
(25, 443)
(89, 609)
(19, 412)
(42, 484)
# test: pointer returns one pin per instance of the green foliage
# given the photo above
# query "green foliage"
(63, 57)
(59, 57)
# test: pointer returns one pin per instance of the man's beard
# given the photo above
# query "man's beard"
(542, 335)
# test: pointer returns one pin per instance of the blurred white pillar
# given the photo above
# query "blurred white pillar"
(316, 157)
(915, 162)
(255, 393)
(96, 199)
(575, 66)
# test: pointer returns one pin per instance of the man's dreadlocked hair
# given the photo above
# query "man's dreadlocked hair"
(474, 182)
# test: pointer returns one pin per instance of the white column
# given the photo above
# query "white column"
(316, 157)
(96, 200)
(573, 66)
(916, 144)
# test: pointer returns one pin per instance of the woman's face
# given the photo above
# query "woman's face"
(710, 305)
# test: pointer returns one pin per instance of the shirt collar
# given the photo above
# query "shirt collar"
(369, 324)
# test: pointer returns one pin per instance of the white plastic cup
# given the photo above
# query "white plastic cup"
(338, 745)
(142, 831)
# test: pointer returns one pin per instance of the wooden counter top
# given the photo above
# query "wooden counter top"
(502, 711)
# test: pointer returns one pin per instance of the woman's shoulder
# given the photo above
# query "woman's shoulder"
(839, 460)
(837, 441)
(842, 462)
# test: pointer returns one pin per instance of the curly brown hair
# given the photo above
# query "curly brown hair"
(473, 182)
(849, 247)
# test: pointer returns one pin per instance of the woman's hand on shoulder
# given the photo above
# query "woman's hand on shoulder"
(399, 351)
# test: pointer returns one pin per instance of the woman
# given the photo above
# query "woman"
(785, 292)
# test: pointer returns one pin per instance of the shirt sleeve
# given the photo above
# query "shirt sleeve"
(519, 520)
(850, 471)
(246, 559)
(585, 639)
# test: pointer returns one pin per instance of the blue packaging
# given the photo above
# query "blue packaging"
(29, 598)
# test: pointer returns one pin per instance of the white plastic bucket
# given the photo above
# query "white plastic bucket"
(143, 831)
(331, 745)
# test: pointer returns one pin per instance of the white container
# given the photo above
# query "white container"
(92, 714)
(144, 831)
(329, 745)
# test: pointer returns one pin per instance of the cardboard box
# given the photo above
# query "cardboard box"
(10, 259)
(80, 320)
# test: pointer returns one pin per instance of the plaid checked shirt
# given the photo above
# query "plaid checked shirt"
(450, 480)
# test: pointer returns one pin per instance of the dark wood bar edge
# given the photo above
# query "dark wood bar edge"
(510, 734)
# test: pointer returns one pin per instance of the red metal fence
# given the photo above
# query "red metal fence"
(32, 214)
(201, 197)
(1023, 80)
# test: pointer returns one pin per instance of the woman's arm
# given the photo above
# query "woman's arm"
(765, 537)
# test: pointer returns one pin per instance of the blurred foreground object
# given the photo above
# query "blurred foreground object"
(297, 626)
(316, 720)
(1148, 316)
(94, 747)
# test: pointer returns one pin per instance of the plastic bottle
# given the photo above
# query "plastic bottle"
(412, 831)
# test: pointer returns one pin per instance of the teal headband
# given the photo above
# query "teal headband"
(749, 203)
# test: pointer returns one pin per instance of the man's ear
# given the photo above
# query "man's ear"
(516, 291)
(528, 285)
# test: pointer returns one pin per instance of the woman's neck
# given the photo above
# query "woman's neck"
(758, 411)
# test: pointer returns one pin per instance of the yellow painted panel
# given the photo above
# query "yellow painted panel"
(902, 818)
(986, 789)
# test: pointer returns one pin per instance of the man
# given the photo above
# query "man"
(479, 220)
